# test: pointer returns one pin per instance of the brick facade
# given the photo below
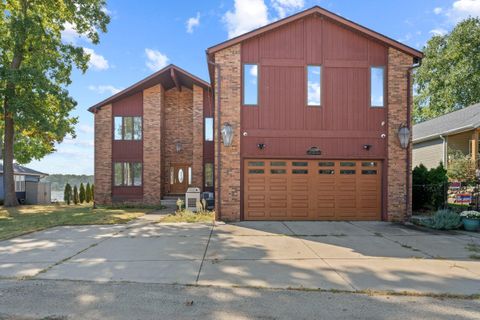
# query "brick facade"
(197, 153)
(103, 155)
(227, 182)
(397, 206)
(153, 102)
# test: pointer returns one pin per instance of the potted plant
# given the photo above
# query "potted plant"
(471, 220)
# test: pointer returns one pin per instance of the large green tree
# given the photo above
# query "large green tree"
(35, 69)
(449, 77)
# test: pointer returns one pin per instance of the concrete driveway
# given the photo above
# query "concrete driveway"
(347, 256)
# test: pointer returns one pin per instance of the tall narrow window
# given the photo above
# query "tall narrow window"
(137, 128)
(128, 128)
(314, 86)
(377, 86)
(118, 177)
(250, 84)
(208, 129)
(118, 134)
(208, 175)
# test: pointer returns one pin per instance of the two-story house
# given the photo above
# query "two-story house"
(312, 122)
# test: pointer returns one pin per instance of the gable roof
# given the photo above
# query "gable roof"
(21, 170)
(325, 13)
(169, 77)
(454, 122)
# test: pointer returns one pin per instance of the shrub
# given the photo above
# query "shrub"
(461, 168)
(93, 192)
(82, 193)
(443, 220)
(419, 188)
(75, 195)
(438, 182)
(67, 194)
(470, 214)
(88, 193)
(429, 187)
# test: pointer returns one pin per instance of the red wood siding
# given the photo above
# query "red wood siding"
(282, 120)
(127, 150)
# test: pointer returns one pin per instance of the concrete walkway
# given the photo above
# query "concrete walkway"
(350, 256)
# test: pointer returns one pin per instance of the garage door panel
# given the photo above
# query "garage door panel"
(312, 190)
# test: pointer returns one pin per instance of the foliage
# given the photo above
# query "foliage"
(76, 200)
(27, 218)
(429, 187)
(35, 69)
(461, 167)
(449, 77)
(82, 193)
(443, 220)
(67, 194)
(470, 214)
(58, 181)
(189, 216)
(93, 192)
(88, 193)
(180, 204)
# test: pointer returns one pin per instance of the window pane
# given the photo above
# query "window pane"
(118, 179)
(127, 128)
(314, 85)
(376, 86)
(256, 171)
(208, 174)
(189, 175)
(137, 128)
(127, 174)
(137, 174)
(118, 128)
(208, 129)
(250, 84)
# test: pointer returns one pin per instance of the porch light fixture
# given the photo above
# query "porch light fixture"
(404, 136)
(178, 147)
(227, 134)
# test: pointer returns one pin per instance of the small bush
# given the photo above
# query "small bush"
(75, 195)
(88, 193)
(67, 194)
(429, 187)
(82, 193)
(470, 214)
(443, 220)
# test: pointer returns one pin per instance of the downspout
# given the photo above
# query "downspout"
(219, 134)
(416, 64)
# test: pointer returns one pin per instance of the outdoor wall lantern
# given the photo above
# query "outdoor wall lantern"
(178, 147)
(404, 136)
(227, 134)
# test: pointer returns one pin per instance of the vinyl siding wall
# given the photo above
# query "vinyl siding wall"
(429, 153)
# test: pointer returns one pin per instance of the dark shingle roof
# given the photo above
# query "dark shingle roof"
(18, 169)
(453, 122)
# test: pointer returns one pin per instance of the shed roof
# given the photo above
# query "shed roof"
(454, 122)
(325, 13)
(18, 169)
(169, 77)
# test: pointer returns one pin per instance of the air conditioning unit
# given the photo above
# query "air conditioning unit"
(191, 198)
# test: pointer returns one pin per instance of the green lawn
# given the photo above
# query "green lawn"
(188, 216)
(23, 219)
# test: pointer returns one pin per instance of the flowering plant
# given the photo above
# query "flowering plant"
(470, 214)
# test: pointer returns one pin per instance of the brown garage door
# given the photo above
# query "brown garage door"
(312, 189)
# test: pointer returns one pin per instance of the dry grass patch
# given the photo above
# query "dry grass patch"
(189, 216)
(28, 218)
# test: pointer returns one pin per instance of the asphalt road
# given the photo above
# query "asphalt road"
(57, 299)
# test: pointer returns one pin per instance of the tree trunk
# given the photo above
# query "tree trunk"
(8, 181)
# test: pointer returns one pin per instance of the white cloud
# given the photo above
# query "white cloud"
(286, 7)
(246, 16)
(105, 88)
(193, 22)
(155, 59)
(438, 32)
(462, 9)
(97, 62)
(437, 10)
(85, 128)
(69, 34)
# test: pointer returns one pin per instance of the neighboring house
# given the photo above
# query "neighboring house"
(434, 140)
(28, 187)
(154, 139)
(308, 115)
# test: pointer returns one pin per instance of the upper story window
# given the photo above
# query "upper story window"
(128, 128)
(19, 183)
(377, 84)
(250, 84)
(127, 174)
(208, 129)
(314, 86)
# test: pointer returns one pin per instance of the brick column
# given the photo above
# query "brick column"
(229, 178)
(152, 128)
(103, 155)
(398, 208)
(198, 137)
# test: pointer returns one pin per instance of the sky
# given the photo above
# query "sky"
(142, 39)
